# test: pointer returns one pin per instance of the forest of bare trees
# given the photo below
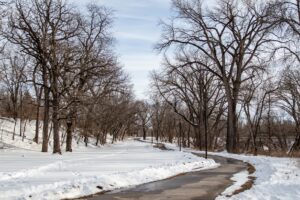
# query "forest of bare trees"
(230, 76)
(58, 67)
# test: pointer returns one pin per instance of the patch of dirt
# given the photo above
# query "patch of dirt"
(251, 169)
(161, 146)
(248, 185)
(90, 196)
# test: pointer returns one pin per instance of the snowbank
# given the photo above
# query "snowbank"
(276, 178)
(239, 179)
(33, 175)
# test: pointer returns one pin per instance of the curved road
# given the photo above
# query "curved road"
(206, 184)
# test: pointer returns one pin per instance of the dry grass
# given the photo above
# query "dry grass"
(282, 154)
(296, 154)
(279, 154)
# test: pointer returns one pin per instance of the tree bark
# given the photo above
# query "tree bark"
(144, 132)
(21, 111)
(69, 136)
(55, 121)
(37, 122)
(231, 140)
(46, 120)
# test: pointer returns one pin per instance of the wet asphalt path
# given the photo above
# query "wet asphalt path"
(200, 185)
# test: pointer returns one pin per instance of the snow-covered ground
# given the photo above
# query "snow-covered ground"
(7, 127)
(25, 173)
(33, 175)
(276, 178)
(239, 179)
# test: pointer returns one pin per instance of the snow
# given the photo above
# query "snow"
(26, 173)
(276, 178)
(239, 179)
(27, 143)
(33, 175)
(6, 133)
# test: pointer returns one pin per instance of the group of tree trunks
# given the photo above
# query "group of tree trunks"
(219, 66)
(220, 83)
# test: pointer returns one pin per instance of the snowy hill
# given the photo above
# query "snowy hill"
(26, 173)
(8, 125)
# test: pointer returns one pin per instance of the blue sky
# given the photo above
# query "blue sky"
(136, 30)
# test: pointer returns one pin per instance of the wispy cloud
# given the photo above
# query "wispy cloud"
(136, 30)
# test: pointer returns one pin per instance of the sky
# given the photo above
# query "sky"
(136, 31)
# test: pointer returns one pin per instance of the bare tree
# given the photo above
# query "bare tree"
(255, 96)
(191, 87)
(13, 77)
(44, 30)
(94, 60)
(232, 35)
(288, 16)
(289, 94)
(144, 115)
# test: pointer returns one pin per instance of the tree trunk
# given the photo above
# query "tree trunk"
(180, 136)
(188, 137)
(144, 132)
(14, 133)
(69, 136)
(46, 121)
(205, 126)
(97, 139)
(55, 115)
(37, 122)
(231, 140)
(86, 140)
(296, 146)
(37, 126)
(55, 121)
(24, 129)
(198, 137)
(21, 111)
